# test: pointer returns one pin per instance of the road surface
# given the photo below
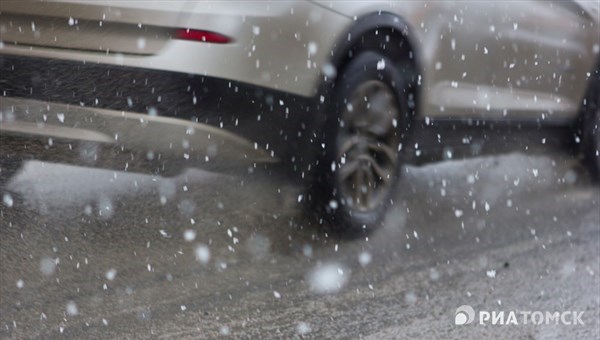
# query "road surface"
(89, 253)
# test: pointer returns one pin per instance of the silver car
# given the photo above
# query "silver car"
(338, 94)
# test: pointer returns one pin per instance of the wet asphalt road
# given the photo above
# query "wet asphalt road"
(88, 253)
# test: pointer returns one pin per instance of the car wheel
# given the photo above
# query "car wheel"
(359, 169)
(590, 128)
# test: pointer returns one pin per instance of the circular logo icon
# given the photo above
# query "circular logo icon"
(464, 315)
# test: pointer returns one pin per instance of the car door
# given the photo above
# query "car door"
(467, 60)
(525, 60)
(565, 38)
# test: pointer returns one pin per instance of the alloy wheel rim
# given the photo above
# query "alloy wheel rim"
(368, 146)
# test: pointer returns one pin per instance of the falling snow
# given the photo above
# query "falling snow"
(111, 274)
(47, 266)
(7, 200)
(72, 309)
(189, 235)
(328, 279)
(364, 258)
(202, 254)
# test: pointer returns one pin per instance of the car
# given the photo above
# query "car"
(339, 95)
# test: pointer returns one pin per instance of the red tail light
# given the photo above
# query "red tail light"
(202, 36)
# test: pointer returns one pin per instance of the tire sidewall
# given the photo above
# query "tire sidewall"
(590, 128)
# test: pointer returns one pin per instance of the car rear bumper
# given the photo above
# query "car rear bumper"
(182, 117)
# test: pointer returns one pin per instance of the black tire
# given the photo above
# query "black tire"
(367, 143)
(590, 126)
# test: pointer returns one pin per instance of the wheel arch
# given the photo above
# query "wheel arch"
(385, 33)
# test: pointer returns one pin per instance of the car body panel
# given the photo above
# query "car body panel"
(180, 141)
(525, 60)
(277, 45)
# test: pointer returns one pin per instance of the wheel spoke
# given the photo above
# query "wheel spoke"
(358, 184)
(348, 169)
(369, 186)
(385, 149)
(348, 144)
(383, 174)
